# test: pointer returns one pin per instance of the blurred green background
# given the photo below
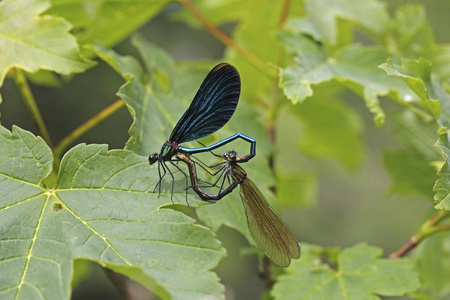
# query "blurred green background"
(349, 207)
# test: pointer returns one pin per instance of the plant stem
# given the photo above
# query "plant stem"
(255, 61)
(83, 128)
(427, 229)
(266, 275)
(284, 13)
(30, 102)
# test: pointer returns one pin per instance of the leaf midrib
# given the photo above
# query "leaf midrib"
(26, 43)
(30, 250)
(105, 239)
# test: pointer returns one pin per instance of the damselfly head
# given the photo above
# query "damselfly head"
(154, 158)
(230, 155)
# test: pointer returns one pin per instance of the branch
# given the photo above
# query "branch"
(30, 102)
(83, 128)
(255, 61)
(427, 229)
(403, 250)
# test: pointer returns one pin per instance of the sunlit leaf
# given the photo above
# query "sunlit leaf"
(354, 66)
(105, 21)
(414, 37)
(352, 273)
(257, 28)
(413, 34)
(31, 42)
(417, 75)
(323, 16)
(217, 12)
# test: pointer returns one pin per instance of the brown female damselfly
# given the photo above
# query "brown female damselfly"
(269, 231)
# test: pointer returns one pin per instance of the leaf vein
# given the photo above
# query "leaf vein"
(36, 288)
(98, 234)
(11, 258)
(118, 171)
(165, 242)
(33, 241)
(21, 202)
(21, 180)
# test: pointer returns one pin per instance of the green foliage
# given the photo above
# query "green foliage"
(32, 42)
(218, 12)
(433, 263)
(324, 19)
(257, 34)
(152, 122)
(416, 75)
(352, 273)
(99, 205)
(442, 187)
(412, 169)
(410, 174)
(355, 66)
(101, 209)
(106, 21)
(332, 129)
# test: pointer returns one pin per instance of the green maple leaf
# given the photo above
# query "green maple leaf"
(218, 12)
(324, 19)
(417, 75)
(434, 101)
(412, 169)
(353, 273)
(31, 42)
(102, 208)
(353, 66)
(257, 28)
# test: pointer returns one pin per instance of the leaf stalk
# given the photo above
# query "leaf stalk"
(30, 102)
(86, 126)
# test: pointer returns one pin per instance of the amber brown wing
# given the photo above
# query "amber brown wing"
(270, 232)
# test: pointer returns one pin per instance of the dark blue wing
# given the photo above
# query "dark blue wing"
(212, 107)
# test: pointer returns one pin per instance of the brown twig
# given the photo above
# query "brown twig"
(427, 229)
(405, 248)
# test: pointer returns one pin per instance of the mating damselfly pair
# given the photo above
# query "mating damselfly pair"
(211, 108)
